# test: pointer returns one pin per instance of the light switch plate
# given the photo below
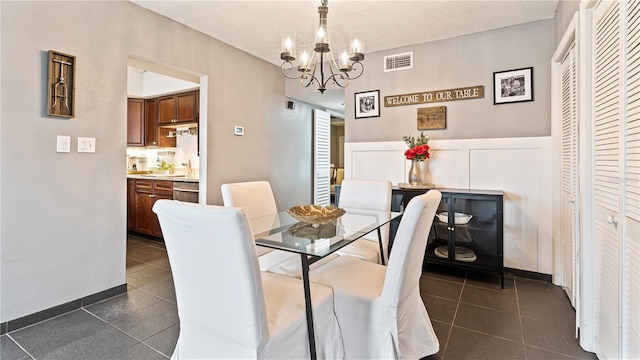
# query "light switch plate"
(63, 144)
(86, 144)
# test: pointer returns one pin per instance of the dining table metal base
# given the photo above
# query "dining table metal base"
(381, 249)
(308, 306)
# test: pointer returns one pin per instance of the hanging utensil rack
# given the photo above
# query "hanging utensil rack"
(61, 81)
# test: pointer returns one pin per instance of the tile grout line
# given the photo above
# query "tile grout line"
(161, 298)
(126, 333)
(455, 313)
(488, 334)
(20, 346)
(113, 326)
(146, 263)
(524, 344)
(139, 343)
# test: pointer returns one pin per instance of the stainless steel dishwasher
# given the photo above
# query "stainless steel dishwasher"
(186, 191)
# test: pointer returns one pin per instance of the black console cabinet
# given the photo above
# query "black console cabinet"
(467, 230)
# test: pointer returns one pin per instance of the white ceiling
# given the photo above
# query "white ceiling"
(258, 26)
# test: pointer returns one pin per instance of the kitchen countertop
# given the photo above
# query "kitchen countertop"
(163, 177)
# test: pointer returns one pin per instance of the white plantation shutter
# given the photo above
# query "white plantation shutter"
(631, 254)
(632, 141)
(606, 185)
(321, 158)
(569, 185)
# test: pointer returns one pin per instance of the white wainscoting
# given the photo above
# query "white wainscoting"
(520, 167)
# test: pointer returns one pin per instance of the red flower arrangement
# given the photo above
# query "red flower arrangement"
(418, 148)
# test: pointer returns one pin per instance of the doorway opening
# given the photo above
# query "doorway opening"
(337, 154)
(167, 116)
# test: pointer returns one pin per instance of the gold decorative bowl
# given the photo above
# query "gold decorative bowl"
(316, 214)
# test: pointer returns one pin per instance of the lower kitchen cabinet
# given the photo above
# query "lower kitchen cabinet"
(467, 231)
(131, 198)
(145, 193)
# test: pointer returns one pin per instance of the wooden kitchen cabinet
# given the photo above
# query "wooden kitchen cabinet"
(178, 108)
(131, 193)
(164, 140)
(151, 119)
(146, 192)
(135, 122)
(156, 136)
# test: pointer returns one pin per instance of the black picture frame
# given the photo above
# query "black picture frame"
(513, 86)
(367, 104)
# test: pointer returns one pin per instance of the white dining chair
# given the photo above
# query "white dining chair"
(227, 307)
(254, 197)
(368, 195)
(379, 308)
(257, 200)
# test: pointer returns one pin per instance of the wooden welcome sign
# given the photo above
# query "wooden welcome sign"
(466, 93)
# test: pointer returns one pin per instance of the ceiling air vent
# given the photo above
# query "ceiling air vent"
(397, 62)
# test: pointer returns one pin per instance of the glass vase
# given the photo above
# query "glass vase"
(418, 173)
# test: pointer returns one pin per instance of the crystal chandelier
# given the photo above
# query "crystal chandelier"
(338, 72)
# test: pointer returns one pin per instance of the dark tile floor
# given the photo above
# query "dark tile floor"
(475, 319)
(472, 316)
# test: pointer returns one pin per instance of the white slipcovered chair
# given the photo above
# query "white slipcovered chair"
(257, 200)
(369, 195)
(254, 197)
(379, 309)
(227, 307)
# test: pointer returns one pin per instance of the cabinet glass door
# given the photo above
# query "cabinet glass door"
(466, 231)
(475, 231)
(438, 243)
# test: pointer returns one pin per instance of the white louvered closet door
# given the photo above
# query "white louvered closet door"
(631, 254)
(608, 63)
(321, 157)
(569, 173)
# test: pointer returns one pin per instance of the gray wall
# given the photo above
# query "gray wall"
(63, 224)
(564, 14)
(460, 62)
(280, 153)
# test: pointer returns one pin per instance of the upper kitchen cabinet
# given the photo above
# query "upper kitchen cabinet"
(151, 117)
(178, 109)
(135, 122)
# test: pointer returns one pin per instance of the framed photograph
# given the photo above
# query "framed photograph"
(238, 130)
(513, 86)
(367, 104)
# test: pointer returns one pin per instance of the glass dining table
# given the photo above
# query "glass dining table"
(313, 242)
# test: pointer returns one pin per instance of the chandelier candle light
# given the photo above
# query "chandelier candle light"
(418, 152)
(309, 64)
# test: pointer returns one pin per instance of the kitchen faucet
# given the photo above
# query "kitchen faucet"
(189, 170)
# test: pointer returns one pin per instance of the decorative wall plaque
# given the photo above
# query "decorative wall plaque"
(466, 93)
(61, 81)
(432, 118)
